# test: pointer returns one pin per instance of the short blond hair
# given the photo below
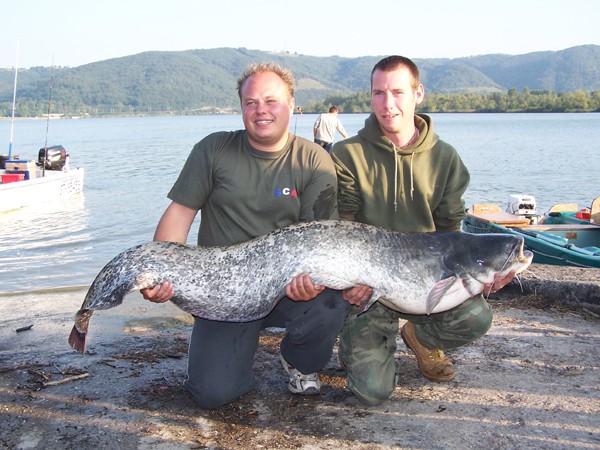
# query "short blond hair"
(278, 70)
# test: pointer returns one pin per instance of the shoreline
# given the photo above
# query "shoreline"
(185, 113)
(49, 290)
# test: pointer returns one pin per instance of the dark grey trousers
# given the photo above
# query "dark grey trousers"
(221, 354)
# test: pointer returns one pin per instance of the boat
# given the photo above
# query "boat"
(27, 183)
(23, 184)
(571, 213)
(564, 243)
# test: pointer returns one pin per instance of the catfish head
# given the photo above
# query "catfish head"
(473, 260)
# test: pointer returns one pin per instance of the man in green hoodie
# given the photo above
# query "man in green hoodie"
(397, 174)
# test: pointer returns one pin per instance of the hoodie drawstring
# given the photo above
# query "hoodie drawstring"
(412, 179)
(412, 157)
(395, 180)
(412, 185)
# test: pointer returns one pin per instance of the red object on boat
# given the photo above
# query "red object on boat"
(584, 214)
(12, 177)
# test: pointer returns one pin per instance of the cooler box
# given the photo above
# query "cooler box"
(20, 165)
(12, 177)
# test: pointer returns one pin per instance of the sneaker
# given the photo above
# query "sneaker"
(299, 383)
(433, 364)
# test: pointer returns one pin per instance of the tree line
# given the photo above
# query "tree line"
(511, 101)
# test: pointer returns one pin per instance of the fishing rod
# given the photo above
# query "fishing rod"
(47, 122)
(12, 122)
(298, 110)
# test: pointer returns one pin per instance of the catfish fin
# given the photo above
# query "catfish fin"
(437, 293)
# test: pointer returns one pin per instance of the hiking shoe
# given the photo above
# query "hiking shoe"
(433, 364)
(299, 383)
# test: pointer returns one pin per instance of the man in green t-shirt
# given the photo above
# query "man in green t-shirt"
(247, 183)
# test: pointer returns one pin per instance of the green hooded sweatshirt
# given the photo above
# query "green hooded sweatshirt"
(416, 189)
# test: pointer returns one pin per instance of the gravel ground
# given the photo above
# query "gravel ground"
(531, 382)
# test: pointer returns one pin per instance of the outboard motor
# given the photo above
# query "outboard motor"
(523, 206)
(54, 157)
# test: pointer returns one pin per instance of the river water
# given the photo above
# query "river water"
(131, 163)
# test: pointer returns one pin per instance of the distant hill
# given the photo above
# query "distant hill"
(205, 80)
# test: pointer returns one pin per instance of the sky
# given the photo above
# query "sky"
(77, 32)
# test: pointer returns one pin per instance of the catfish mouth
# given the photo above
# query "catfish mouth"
(518, 260)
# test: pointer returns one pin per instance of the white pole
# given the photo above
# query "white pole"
(12, 122)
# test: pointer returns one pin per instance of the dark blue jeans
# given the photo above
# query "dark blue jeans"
(326, 145)
(221, 354)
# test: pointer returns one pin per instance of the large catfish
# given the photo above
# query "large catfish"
(415, 273)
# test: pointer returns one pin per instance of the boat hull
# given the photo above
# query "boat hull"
(564, 218)
(556, 244)
(54, 185)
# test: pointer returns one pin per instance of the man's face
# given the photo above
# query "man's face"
(266, 110)
(394, 100)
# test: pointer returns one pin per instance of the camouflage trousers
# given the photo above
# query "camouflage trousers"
(368, 342)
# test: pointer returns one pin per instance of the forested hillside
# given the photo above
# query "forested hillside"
(204, 81)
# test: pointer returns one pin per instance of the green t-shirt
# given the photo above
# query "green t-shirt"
(242, 192)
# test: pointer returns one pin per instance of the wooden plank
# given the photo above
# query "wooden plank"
(484, 208)
(488, 212)
(562, 227)
(564, 207)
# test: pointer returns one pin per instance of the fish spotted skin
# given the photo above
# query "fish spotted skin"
(414, 273)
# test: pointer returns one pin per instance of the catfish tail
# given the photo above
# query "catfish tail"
(79, 331)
